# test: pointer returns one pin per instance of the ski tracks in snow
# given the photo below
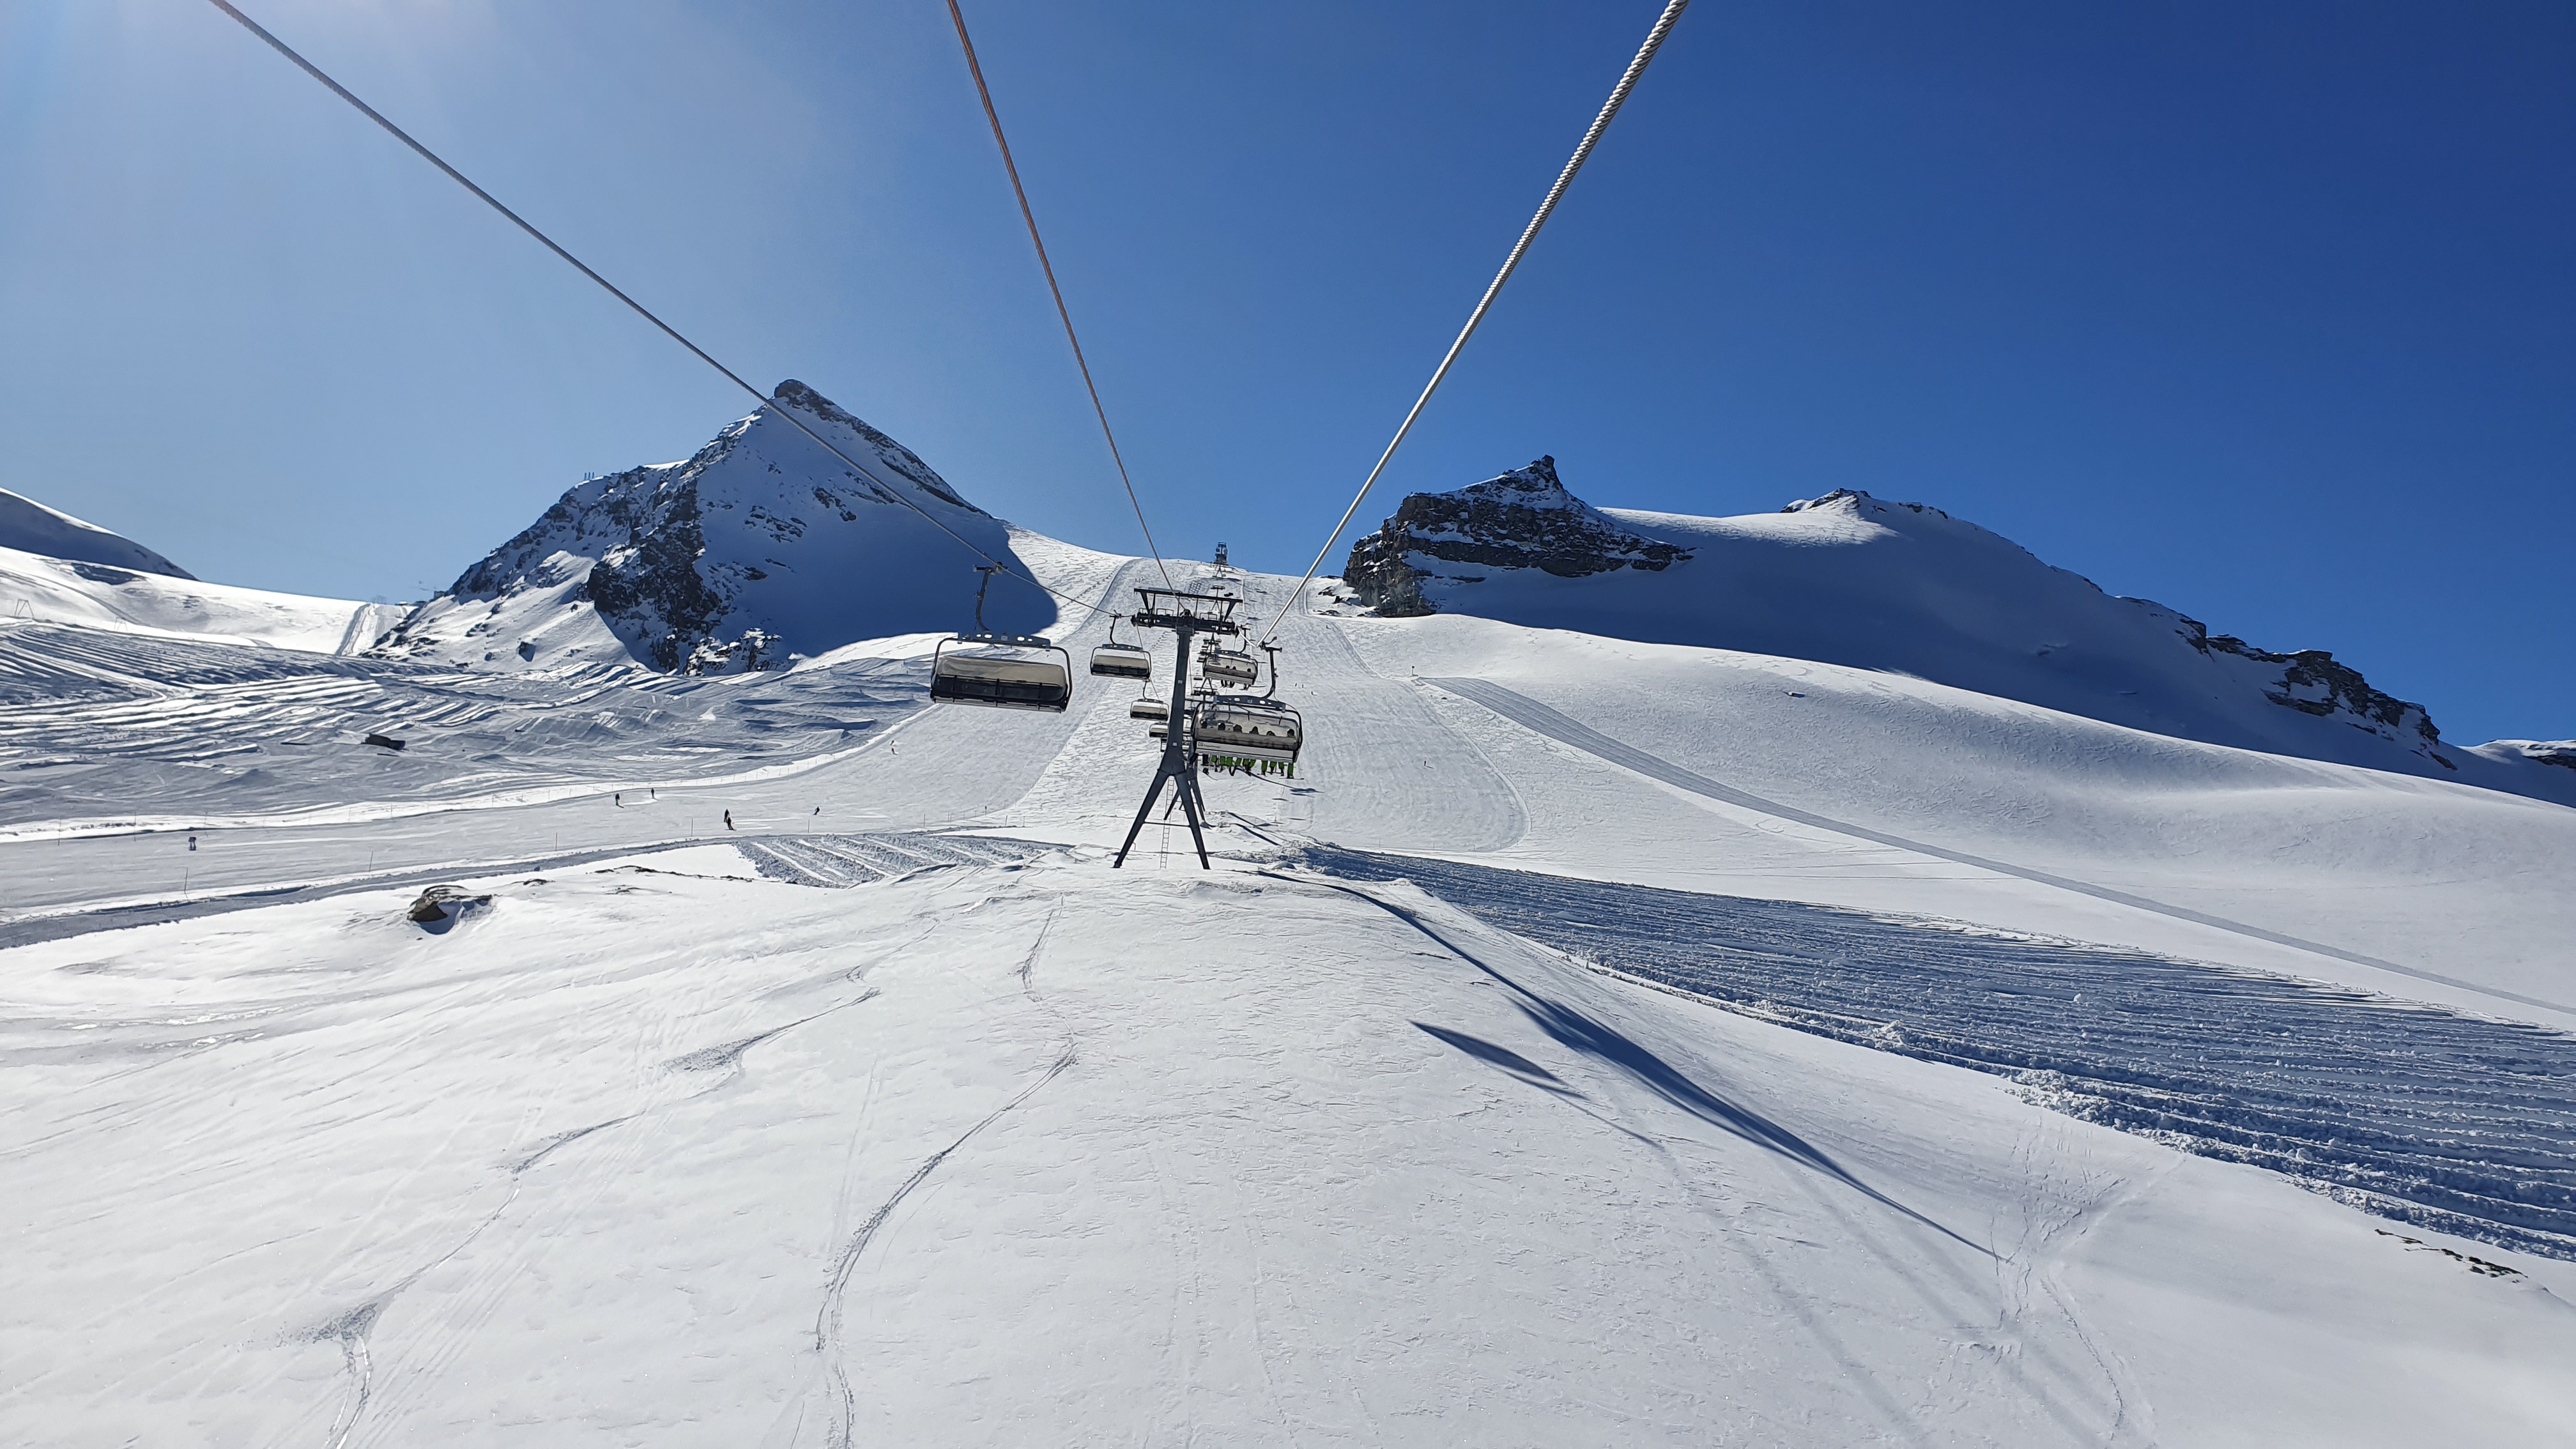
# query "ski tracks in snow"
(466, 1307)
(831, 1391)
(828, 1405)
(2005, 1344)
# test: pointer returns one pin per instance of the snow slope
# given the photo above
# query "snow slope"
(650, 1153)
(36, 588)
(30, 527)
(1903, 588)
(762, 547)
(1597, 1041)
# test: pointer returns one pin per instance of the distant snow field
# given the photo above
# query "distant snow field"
(1642, 1019)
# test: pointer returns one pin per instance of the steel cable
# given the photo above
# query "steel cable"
(976, 67)
(784, 411)
(1564, 178)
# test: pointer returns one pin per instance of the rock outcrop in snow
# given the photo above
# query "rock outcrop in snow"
(1523, 519)
(762, 545)
(1851, 579)
(31, 527)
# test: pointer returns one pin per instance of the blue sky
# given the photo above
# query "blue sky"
(2264, 311)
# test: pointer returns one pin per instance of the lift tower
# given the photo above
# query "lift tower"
(1187, 615)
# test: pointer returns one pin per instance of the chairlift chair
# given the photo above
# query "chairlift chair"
(1257, 731)
(1001, 671)
(1121, 661)
(1229, 666)
(1261, 734)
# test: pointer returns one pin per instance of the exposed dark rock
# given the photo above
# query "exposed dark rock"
(2548, 752)
(756, 649)
(2313, 683)
(1865, 500)
(384, 742)
(1523, 519)
(642, 536)
(441, 906)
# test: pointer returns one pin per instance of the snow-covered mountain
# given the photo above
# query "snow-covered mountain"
(1906, 588)
(761, 546)
(1596, 1042)
(30, 527)
(56, 569)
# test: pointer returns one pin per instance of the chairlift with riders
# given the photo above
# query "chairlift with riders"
(1258, 735)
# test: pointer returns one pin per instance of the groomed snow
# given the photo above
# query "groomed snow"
(643, 1154)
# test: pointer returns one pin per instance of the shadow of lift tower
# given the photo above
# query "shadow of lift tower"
(1187, 615)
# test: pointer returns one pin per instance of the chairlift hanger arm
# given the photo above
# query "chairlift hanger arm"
(549, 243)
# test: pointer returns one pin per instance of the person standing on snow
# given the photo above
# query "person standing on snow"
(728, 820)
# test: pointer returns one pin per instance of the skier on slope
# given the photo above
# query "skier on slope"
(728, 820)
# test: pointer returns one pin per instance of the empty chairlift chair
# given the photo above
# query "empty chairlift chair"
(1002, 671)
(1121, 661)
(1007, 671)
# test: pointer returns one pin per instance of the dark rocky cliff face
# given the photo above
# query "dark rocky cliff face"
(1523, 519)
(2313, 683)
(697, 566)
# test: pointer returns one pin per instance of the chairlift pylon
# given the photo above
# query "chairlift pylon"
(1188, 616)
(1000, 671)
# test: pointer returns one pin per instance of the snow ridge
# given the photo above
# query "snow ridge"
(1847, 578)
(31, 527)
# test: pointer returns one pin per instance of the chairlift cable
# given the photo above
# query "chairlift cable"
(1565, 178)
(488, 199)
(976, 67)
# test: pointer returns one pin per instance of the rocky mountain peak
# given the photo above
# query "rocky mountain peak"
(1535, 486)
(761, 546)
(1523, 519)
(2311, 682)
(1859, 504)
(896, 456)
